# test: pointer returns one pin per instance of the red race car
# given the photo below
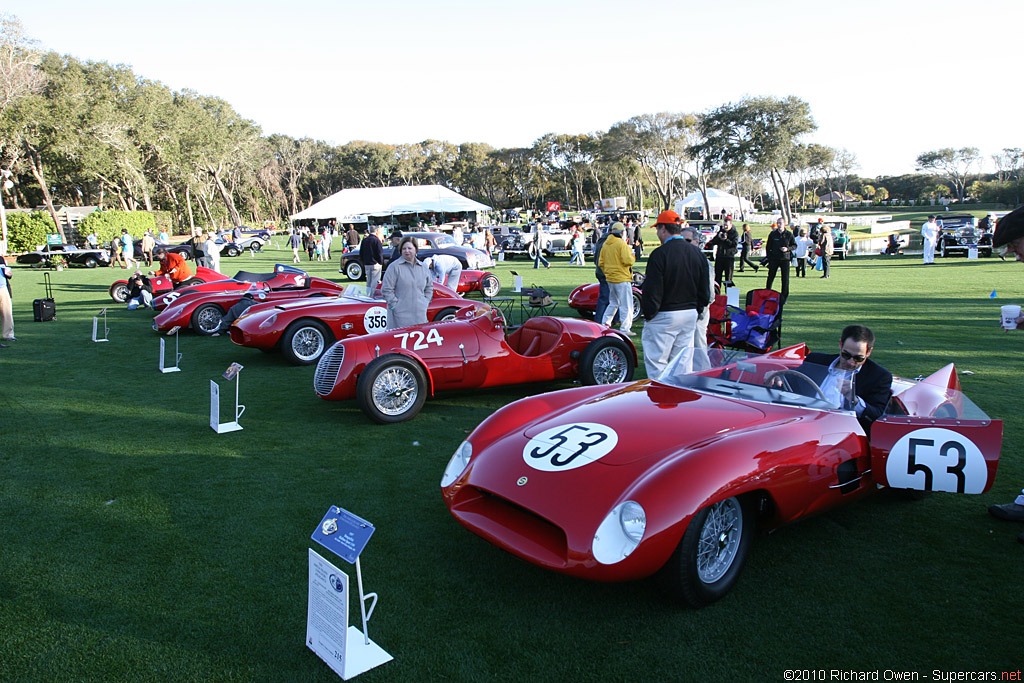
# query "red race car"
(391, 373)
(583, 300)
(679, 471)
(479, 281)
(119, 290)
(303, 329)
(283, 278)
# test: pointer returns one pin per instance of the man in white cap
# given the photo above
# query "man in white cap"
(445, 269)
(930, 232)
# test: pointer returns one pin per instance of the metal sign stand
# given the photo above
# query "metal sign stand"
(215, 423)
(177, 355)
(361, 653)
(96, 323)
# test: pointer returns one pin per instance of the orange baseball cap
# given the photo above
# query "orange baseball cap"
(668, 217)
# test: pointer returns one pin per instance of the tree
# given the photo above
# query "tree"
(759, 132)
(881, 194)
(954, 163)
(845, 162)
(660, 144)
(19, 63)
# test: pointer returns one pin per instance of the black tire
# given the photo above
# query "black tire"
(119, 292)
(191, 281)
(256, 247)
(305, 341)
(636, 305)
(943, 252)
(711, 554)
(585, 314)
(90, 262)
(490, 285)
(607, 360)
(354, 270)
(206, 319)
(392, 388)
(446, 314)
(232, 251)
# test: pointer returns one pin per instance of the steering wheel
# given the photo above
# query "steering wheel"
(785, 385)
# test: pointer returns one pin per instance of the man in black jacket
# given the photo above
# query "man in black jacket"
(674, 292)
(725, 240)
(779, 249)
(868, 392)
(372, 254)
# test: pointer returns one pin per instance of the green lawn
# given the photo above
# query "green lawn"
(136, 544)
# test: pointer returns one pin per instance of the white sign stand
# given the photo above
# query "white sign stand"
(177, 356)
(732, 296)
(215, 423)
(972, 253)
(519, 284)
(95, 326)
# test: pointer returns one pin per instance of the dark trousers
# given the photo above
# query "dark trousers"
(603, 296)
(723, 269)
(826, 261)
(801, 266)
(783, 269)
(745, 258)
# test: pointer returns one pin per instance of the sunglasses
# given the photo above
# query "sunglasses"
(849, 356)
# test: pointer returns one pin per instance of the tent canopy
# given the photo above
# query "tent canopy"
(718, 199)
(358, 203)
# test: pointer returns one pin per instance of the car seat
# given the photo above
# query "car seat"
(536, 336)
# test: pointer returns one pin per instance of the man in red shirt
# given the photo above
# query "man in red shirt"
(173, 266)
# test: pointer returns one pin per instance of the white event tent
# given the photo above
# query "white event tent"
(355, 205)
(721, 202)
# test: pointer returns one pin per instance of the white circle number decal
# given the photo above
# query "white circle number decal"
(375, 319)
(936, 459)
(567, 447)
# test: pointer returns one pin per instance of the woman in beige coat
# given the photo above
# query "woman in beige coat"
(407, 287)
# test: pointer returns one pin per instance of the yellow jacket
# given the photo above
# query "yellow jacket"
(616, 258)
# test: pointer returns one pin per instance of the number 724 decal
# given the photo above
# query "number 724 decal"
(936, 459)
(417, 340)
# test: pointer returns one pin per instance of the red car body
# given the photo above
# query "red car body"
(701, 463)
(283, 278)
(391, 373)
(479, 281)
(304, 329)
(161, 284)
(583, 300)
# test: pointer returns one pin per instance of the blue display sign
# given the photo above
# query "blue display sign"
(343, 533)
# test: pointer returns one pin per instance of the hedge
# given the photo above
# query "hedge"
(26, 231)
(108, 224)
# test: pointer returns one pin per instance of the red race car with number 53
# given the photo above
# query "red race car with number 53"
(679, 471)
(391, 373)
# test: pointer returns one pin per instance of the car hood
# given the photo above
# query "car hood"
(648, 418)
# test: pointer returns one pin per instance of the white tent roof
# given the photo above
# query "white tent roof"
(717, 199)
(384, 201)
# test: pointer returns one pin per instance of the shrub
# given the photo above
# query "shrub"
(26, 231)
(164, 220)
(108, 224)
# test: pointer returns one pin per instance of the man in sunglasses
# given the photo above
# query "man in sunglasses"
(849, 379)
(1009, 238)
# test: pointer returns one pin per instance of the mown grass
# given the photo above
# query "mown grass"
(139, 545)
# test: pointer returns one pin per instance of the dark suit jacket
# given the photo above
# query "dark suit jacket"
(873, 383)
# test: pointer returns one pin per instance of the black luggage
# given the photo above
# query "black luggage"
(45, 309)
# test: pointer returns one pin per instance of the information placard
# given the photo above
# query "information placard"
(327, 612)
(343, 533)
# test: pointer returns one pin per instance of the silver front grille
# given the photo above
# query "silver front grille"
(327, 369)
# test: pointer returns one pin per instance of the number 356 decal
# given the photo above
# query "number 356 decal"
(569, 446)
(936, 459)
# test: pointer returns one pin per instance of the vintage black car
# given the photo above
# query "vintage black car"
(430, 243)
(960, 232)
(90, 258)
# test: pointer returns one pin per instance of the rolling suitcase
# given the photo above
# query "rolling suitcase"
(45, 309)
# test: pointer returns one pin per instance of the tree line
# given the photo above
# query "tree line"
(89, 133)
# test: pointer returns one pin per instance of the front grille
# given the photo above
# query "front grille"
(327, 369)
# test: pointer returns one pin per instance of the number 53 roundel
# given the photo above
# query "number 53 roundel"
(954, 455)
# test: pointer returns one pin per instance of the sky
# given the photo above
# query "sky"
(887, 80)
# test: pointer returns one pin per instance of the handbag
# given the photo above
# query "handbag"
(538, 296)
(818, 264)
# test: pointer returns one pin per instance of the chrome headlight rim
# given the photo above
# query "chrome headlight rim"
(620, 532)
(268, 322)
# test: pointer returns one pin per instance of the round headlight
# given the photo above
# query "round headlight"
(620, 533)
(458, 463)
(268, 322)
(633, 520)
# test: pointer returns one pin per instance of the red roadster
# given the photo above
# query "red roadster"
(391, 373)
(284, 278)
(679, 471)
(303, 329)
(583, 300)
(119, 290)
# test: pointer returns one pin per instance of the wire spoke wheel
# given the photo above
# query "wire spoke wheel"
(208, 319)
(719, 540)
(395, 391)
(610, 365)
(308, 343)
